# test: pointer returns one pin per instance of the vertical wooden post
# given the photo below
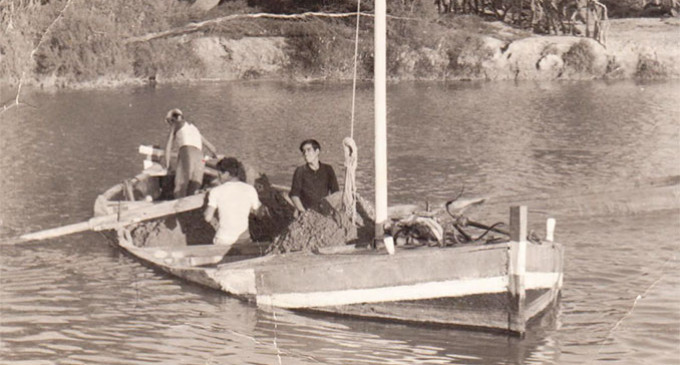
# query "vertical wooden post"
(129, 191)
(380, 102)
(517, 269)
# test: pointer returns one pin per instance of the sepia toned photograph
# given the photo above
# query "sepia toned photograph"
(298, 182)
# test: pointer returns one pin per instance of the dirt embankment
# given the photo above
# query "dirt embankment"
(635, 48)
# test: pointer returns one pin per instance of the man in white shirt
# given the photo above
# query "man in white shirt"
(190, 142)
(233, 200)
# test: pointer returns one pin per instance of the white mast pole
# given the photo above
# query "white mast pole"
(380, 80)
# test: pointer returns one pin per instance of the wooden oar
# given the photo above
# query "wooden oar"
(113, 221)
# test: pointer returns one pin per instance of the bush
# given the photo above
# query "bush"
(77, 41)
(650, 68)
(322, 48)
(580, 57)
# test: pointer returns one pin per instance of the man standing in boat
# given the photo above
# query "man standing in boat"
(233, 200)
(189, 171)
(312, 181)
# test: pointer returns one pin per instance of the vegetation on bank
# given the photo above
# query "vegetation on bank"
(72, 42)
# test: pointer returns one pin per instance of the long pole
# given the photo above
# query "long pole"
(380, 80)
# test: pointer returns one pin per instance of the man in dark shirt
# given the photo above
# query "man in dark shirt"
(312, 181)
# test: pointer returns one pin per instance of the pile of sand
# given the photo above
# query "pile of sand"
(326, 227)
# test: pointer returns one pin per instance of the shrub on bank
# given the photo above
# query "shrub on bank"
(580, 58)
(165, 59)
(76, 42)
(649, 68)
(323, 49)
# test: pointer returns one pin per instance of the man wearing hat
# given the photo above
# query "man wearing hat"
(233, 200)
(189, 171)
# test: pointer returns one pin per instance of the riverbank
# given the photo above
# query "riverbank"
(450, 48)
(643, 48)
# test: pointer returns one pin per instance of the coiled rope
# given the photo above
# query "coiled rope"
(349, 201)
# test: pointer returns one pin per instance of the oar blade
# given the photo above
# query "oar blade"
(49, 233)
(114, 221)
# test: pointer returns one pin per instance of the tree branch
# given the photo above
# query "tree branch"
(194, 27)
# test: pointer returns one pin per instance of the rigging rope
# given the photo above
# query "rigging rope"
(354, 79)
(348, 144)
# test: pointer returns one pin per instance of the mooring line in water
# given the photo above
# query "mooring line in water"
(640, 296)
(278, 351)
(289, 353)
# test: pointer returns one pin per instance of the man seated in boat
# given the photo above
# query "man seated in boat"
(233, 201)
(190, 142)
(312, 181)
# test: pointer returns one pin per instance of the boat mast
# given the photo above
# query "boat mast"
(380, 80)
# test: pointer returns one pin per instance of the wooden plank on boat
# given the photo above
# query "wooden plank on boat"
(472, 315)
(538, 305)
(542, 257)
(312, 273)
(195, 255)
(517, 269)
(310, 281)
(237, 282)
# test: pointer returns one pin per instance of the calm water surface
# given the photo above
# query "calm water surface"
(77, 300)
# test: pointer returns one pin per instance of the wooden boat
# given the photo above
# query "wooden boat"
(499, 286)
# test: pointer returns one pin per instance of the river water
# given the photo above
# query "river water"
(78, 300)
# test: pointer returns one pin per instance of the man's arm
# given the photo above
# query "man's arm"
(168, 146)
(257, 208)
(333, 183)
(297, 203)
(209, 213)
(209, 146)
(210, 208)
(295, 191)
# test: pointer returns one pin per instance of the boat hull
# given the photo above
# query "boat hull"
(500, 286)
(457, 286)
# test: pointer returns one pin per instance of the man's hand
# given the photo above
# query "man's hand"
(297, 213)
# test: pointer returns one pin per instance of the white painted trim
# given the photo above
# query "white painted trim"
(442, 289)
(521, 258)
(538, 280)
(236, 281)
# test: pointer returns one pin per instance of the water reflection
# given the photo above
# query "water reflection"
(343, 341)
